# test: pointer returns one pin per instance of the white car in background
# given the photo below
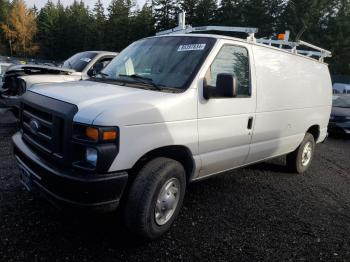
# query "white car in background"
(19, 78)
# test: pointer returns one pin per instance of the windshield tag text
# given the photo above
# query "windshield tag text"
(192, 47)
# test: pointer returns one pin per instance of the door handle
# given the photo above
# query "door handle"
(250, 123)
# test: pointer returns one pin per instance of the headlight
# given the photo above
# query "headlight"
(94, 147)
(91, 156)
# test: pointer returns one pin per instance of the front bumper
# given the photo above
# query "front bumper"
(100, 192)
(339, 128)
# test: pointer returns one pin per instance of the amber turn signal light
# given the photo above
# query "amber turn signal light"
(91, 133)
(109, 135)
(281, 36)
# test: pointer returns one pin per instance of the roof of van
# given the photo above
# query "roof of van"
(215, 36)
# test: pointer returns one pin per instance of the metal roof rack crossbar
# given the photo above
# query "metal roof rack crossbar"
(182, 28)
(315, 51)
(320, 53)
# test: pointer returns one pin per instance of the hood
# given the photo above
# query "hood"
(108, 104)
(45, 79)
(340, 111)
(37, 69)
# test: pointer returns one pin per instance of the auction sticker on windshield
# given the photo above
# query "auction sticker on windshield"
(85, 59)
(191, 47)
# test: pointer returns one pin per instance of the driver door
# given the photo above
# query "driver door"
(225, 125)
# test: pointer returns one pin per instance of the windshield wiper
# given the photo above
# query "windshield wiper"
(143, 80)
(104, 75)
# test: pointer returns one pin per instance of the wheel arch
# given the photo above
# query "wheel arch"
(314, 130)
(179, 153)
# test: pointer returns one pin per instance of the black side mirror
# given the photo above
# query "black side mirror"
(226, 87)
(96, 69)
(91, 72)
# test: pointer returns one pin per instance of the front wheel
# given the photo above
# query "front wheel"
(155, 197)
(300, 160)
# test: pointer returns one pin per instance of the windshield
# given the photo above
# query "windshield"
(168, 62)
(79, 61)
(342, 101)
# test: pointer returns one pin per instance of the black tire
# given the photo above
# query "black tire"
(295, 159)
(141, 202)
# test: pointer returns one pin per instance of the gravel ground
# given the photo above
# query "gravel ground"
(259, 213)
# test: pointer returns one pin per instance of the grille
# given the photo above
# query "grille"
(43, 131)
(47, 127)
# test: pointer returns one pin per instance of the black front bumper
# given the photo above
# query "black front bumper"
(96, 192)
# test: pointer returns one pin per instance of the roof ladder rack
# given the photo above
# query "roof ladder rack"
(320, 53)
(282, 42)
(182, 28)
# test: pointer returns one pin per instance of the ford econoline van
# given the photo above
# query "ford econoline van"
(167, 111)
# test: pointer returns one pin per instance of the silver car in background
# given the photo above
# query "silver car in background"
(339, 122)
(19, 78)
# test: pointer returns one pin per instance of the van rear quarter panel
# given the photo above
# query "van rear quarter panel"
(293, 94)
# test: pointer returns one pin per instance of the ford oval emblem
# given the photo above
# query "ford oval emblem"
(34, 126)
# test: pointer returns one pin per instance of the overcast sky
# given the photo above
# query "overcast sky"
(90, 3)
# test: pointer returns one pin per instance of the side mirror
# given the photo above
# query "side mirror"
(226, 87)
(96, 69)
(91, 72)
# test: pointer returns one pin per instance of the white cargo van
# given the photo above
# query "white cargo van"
(167, 111)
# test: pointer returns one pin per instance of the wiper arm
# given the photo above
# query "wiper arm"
(143, 80)
(104, 75)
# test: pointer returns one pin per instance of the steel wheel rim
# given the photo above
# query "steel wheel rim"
(167, 201)
(307, 154)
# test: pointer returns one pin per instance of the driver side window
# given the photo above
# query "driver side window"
(231, 60)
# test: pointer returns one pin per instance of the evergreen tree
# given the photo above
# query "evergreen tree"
(47, 28)
(77, 28)
(337, 37)
(165, 14)
(142, 23)
(189, 6)
(229, 13)
(98, 26)
(117, 28)
(263, 14)
(304, 17)
(205, 11)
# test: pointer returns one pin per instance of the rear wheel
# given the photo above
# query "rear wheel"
(155, 197)
(300, 160)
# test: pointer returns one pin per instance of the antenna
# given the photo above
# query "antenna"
(182, 20)
(301, 32)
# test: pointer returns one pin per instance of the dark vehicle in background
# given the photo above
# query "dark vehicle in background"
(19, 78)
(339, 122)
